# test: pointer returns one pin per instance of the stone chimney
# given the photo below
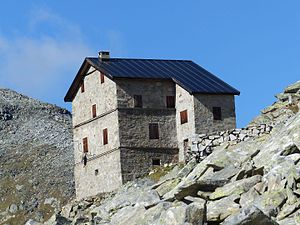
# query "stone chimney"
(103, 55)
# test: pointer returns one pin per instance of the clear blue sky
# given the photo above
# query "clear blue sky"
(253, 45)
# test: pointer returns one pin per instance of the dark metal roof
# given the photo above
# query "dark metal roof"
(186, 73)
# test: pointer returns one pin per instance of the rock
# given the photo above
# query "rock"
(293, 88)
(57, 220)
(248, 198)
(128, 215)
(148, 198)
(237, 187)
(270, 202)
(249, 216)
(13, 208)
(287, 210)
(32, 222)
(66, 210)
(218, 210)
(167, 186)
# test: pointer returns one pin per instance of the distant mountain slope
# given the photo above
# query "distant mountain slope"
(36, 158)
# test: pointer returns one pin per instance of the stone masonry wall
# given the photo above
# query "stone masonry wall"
(202, 145)
(184, 101)
(94, 132)
(153, 92)
(138, 162)
(103, 95)
(101, 174)
(204, 122)
(134, 128)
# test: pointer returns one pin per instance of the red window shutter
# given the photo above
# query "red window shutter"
(102, 77)
(183, 117)
(82, 86)
(170, 101)
(153, 131)
(138, 101)
(94, 111)
(105, 136)
(85, 145)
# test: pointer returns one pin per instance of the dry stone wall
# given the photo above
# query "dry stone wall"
(202, 145)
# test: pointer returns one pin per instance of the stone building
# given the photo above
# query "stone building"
(132, 114)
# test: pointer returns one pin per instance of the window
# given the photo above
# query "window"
(170, 101)
(153, 131)
(155, 162)
(82, 86)
(101, 78)
(105, 136)
(217, 113)
(94, 111)
(85, 145)
(96, 172)
(183, 117)
(138, 101)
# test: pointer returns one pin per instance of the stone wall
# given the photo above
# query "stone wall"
(153, 92)
(94, 132)
(202, 145)
(134, 127)
(204, 122)
(184, 101)
(138, 162)
(102, 174)
(103, 95)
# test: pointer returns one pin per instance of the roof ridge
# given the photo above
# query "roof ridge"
(181, 60)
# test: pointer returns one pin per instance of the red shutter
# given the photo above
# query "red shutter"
(102, 77)
(105, 136)
(170, 101)
(94, 111)
(183, 117)
(85, 145)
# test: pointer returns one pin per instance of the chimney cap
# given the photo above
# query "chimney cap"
(103, 55)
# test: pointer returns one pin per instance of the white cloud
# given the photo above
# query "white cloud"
(41, 65)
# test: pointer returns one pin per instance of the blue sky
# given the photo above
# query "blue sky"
(253, 45)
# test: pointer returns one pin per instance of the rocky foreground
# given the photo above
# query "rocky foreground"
(36, 158)
(254, 182)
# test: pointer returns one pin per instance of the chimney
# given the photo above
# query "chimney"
(103, 55)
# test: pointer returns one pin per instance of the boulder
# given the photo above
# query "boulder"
(249, 216)
(237, 187)
(218, 210)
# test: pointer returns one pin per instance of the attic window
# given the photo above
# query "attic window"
(138, 101)
(82, 87)
(217, 113)
(183, 117)
(101, 78)
(170, 101)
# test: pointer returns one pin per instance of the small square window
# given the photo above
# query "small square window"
(183, 117)
(155, 162)
(217, 113)
(153, 131)
(96, 172)
(138, 101)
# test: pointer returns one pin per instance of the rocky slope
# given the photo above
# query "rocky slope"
(36, 158)
(255, 182)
